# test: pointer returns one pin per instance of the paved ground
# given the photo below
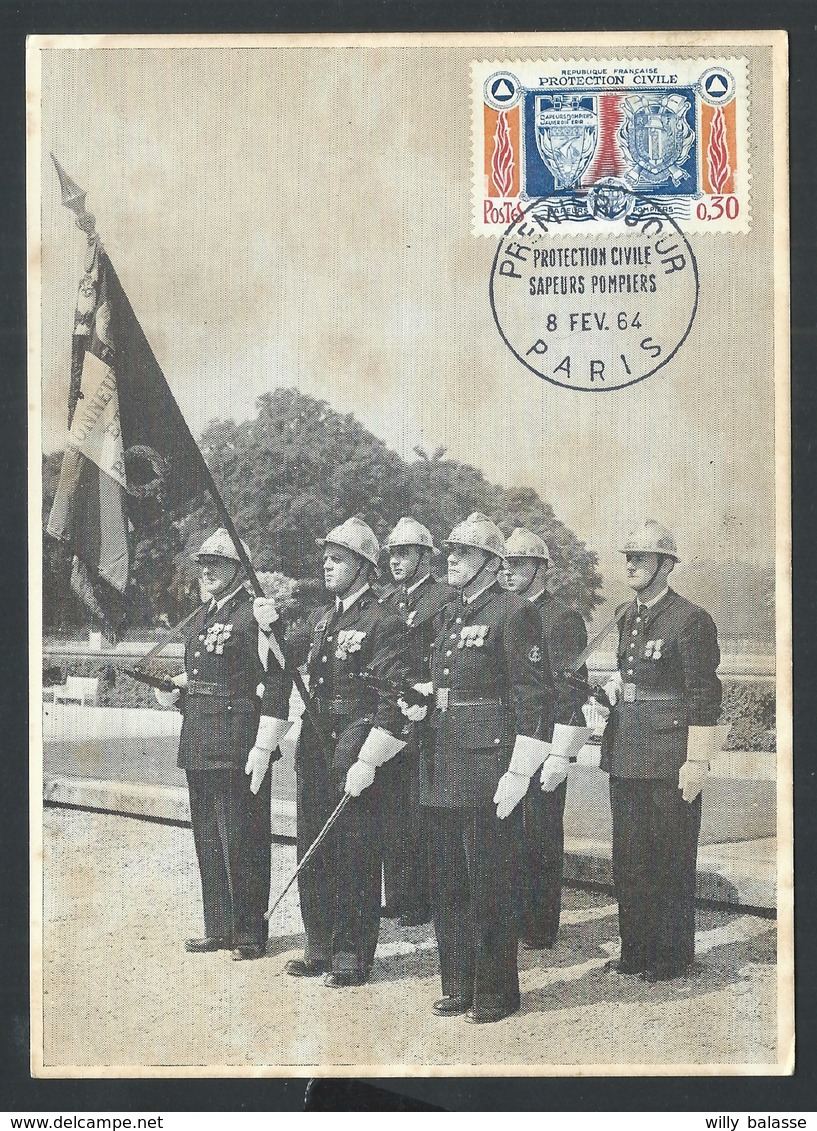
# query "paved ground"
(109, 745)
(122, 894)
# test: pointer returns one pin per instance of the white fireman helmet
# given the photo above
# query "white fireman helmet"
(410, 532)
(525, 544)
(651, 538)
(355, 535)
(220, 545)
(480, 533)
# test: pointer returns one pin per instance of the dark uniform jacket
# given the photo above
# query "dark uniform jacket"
(221, 705)
(341, 647)
(419, 610)
(667, 658)
(494, 692)
(565, 635)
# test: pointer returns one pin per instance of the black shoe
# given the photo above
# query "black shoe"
(301, 968)
(207, 944)
(538, 943)
(664, 973)
(388, 911)
(414, 919)
(245, 951)
(631, 969)
(451, 1006)
(481, 1015)
(338, 979)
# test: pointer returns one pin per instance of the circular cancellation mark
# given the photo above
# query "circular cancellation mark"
(594, 292)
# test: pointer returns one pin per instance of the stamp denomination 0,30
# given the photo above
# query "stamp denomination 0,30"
(595, 313)
(553, 130)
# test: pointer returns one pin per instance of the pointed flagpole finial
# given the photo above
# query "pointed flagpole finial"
(73, 197)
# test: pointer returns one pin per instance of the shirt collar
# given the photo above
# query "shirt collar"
(223, 600)
(475, 596)
(535, 596)
(346, 603)
(654, 601)
(410, 588)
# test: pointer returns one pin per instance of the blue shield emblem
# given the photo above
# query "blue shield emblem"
(656, 138)
(566, 135)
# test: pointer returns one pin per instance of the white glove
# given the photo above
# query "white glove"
(691, 779)
(426, 689)
(612, 689)
(167, 698)
(257, 764)
(265, 612)
(568, 740)
(510, 791)
(379, 747)
(554, 772)
(271, 731)
(528, 755)
(414, 712)
(359, 777)
(289, 743)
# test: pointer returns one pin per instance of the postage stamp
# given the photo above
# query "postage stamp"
(569, 132)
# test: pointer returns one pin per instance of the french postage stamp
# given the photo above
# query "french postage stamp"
(569, 132)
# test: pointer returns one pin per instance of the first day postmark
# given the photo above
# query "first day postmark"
(552, 131)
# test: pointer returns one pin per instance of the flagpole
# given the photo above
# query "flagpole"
(274, 635)
(73, 198)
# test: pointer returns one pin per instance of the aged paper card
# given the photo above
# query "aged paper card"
(409, 281)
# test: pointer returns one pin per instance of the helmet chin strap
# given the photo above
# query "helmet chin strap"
(476, 575)
(410, 580)
(363, 565)
(661, 559)
(522, 592)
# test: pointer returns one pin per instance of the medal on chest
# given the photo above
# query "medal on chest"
(473, 636)
(349, 640)
(217, 636)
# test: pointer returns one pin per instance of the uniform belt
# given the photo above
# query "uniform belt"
(201, 687)
(337, 706)
(631, 693)
(444, 701)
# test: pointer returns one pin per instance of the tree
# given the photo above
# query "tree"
(297, 470)
(300, 468)
(291, 474)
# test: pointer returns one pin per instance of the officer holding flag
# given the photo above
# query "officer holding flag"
(229, 788)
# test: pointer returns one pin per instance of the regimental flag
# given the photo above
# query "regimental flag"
(129, 456)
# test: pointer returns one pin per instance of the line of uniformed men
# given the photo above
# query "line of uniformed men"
(438, 752)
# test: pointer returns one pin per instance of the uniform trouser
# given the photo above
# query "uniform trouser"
(544, 860)
(340, 887)
(655, 844)
(404, 836)
(231, 832)
(475, 891)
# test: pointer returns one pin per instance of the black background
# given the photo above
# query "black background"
(18, 1092)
